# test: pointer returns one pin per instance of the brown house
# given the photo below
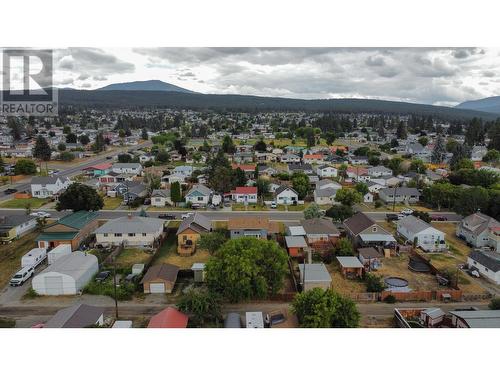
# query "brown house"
(72, 229)
(190, 231)
(365, 232)
(257, 226)
(321, 233)
(160, 278)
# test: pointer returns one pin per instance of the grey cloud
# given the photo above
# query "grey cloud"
(375, 61)
(92, 61)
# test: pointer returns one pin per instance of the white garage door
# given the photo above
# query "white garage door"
(54, 285)
(157, 288)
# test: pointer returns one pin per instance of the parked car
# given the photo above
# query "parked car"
(147, 201)
(273, 204)
(101, 276)
(391, 217)
(22, 276)
(406, 211)
(438, 218)
(166, 216)
(186, 215)
(40, 214)
(10, 191)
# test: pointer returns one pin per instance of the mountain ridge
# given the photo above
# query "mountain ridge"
(148, 85)
(490, 104)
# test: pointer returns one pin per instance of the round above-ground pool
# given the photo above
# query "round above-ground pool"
(396, 283)
(418, 265)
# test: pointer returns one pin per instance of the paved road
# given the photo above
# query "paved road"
(73, 170)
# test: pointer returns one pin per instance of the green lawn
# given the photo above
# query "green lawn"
(129, 257)
(112, 203)
(33, 203)
(250, 207)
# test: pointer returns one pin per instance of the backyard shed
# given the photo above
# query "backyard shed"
(68, 275)
(316, 276)
(199, 272)
(350, 267)
(160, 278)
(58, 252)
(295, 245)
(233, 320)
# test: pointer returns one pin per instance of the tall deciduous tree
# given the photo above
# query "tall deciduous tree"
(318, 308)
(79, 197)
(348, 197)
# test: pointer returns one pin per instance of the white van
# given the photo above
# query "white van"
(34, 257)
(22, 276)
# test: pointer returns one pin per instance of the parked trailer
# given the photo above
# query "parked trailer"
(58, 252)
(34, 257)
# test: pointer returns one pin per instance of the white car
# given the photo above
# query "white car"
(186, 215)
(40, 214)
(273, 204)
(407, 211)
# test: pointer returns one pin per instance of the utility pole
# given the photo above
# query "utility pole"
(394, 199)
(114, 283)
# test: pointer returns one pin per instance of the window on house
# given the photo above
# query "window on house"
(118, 234)
(374, 229)
(144, 235)
(105, 235)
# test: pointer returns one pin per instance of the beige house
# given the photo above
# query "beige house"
(132, 231)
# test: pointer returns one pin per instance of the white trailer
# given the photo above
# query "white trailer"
(57, 252)
(34, 257)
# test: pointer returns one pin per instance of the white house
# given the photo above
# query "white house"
(368, 198)
(129, 168)
(290, 158)
(245, 194)
(286, 195)
(325, 191)
(47, 187)
(199, 195)
(327, 171)
(67, 275)
(185, 170)
(421, 233)
(487, 263)
(480, 230)
(161, 198)
(131, 231)
(403, 195)
(379, 171)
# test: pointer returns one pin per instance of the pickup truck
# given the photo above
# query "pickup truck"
(22, 276)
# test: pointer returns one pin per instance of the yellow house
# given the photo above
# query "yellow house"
(189, 233)
(15, 226)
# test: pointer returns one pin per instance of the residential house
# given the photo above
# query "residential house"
(265, 170)
(480, 230)
(243, 157)
(358, 160)
(199, 195)
(286, 195)
(15, 226)
(320, 233)
(71, 229)
(363, 231)
(487, 263)
(290, 158)
(403, 195)
(133, 191)
(161, 198)
(368, 198)
(313, 159)
(48, 187)
(326, 171)
(252, 226)
(379, 171)
(244, 194)
(128, 168)
(421, 234)
(325, 192)
(300, 168)
(98, 169)
(478, 152)
(475, 318)
(190, 231)
(160, 278)
(131, 231)
(249, 169)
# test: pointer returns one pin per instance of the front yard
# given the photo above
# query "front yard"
(32, 203)
(11, 254)
(111, 203)
(129, 257)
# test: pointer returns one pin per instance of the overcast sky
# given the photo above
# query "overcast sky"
(443, 76)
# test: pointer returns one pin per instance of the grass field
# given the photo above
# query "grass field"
(129, 257)
(250, 207)
(168, 254)
(111, 203)
(11, 254)
(33, 203)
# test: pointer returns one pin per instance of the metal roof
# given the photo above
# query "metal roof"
(315, 272)
(295, 241)
(349, 262)
(479, 318)
(377, 237)
(74, 264)
(78, 219)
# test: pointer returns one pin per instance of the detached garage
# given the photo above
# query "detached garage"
(67, 275)
(160, 278)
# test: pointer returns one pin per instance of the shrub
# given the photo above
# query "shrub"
(31, 294)
(390, 299)
(495, 303)
(378, 203)
(374, 283)
(7, 322)
(124, 292)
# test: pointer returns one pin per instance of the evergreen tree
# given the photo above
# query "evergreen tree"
(42, 149)
(439, 152)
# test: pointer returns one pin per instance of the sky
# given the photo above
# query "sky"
(440, 76)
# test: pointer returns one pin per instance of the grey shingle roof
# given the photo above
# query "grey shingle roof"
(76, 316)
(413, 224)
(132, 224)
(319, 226)
(165, 193)
(197, 222)
(358, 223)
(488, 259)
(201, 188)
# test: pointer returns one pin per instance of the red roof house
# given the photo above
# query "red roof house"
(169, 318)
(244, 194)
